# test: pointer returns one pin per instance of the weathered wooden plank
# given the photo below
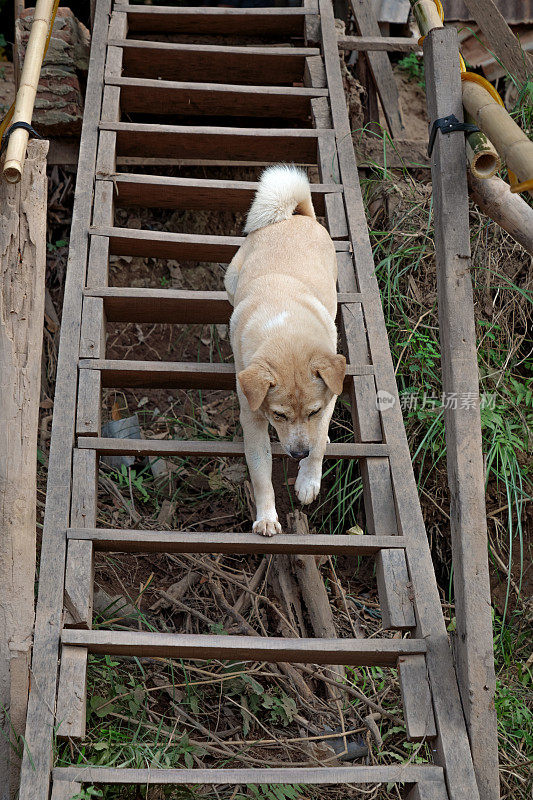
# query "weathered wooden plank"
(298, 145)
(187, 246)
(22, 293)
(79, 570)
(89, 413)
(416, 698)
(451, 744)
(93, 335)
(98, 267)
(216, 21)
(188, 447)
(148, 96)
(429, 790)
(71, 695)
(473, 643)
(274, 66)
(356, 652)
(320, 776)
(502, 41)
(394, 589)
(35, 775)
(160, 191)
(162, 375)
(367, 25)
(397, 44)
(130, 541)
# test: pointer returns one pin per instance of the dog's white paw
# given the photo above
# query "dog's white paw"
(266, 527)
(307, 484)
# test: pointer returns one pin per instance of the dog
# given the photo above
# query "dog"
(282, 286)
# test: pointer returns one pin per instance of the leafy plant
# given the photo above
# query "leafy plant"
(413, 65)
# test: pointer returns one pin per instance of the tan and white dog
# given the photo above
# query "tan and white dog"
(282, 285)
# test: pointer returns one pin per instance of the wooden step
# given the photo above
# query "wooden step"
(158, 97)
(270, 66)
(186, 447)
(158, 191)
(121, 374)
(184, 246)
(174, 306)
(319, 776)
(132, 541)
(217, 21)
(351, 652)
(297, 145)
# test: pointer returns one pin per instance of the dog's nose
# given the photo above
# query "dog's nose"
(300, 453)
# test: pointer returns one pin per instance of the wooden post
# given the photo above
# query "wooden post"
(473, 643)
(22, 293)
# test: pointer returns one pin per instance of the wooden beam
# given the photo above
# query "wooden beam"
(133, 541)
(189, 447)
(273, 649)
(22, 291)
(473, 642)
(320, 776)
(501, 40)
(380, 66)
(395, 44)
(216, 21)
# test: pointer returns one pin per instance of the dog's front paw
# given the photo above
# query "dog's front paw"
(307, 484)
(266, 526)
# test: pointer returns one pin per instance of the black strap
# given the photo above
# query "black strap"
(26, 126)
(448, 124)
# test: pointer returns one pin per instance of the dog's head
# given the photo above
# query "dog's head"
(292, 392)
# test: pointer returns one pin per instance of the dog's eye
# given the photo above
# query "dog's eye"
(279, 415)
(312, 414)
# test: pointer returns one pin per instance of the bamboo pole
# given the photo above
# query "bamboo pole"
(427, 15)
(29, 81)
(482, 156)
(508, 210)
(508, 138)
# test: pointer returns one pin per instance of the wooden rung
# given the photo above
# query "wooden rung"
(71, 693)
(186, 447)
(429, 790)
(318, 776)
(118, 374)
(157, 97)
(398, 44)
(216, 21)
(416, 698)
(157, 191)
(394, 590)
(132, 541)
(184, 246)
(354, 652)
(172, 306)
(275, 66)
(297, 145)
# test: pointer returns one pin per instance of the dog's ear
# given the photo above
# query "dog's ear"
(255, 381)
(331, 367)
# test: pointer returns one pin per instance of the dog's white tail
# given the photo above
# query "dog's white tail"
(283, 190)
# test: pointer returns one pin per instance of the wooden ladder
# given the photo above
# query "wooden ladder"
(302, 83)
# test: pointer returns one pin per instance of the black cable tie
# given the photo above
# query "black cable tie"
(26, 126)
(448, 124)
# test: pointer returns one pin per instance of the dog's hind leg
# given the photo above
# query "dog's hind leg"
(307, 484)
(232, 274)
(259, 459)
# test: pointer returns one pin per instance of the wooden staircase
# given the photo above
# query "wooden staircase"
(301, 85)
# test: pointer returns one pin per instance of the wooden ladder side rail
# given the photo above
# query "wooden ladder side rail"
(473, 642)
(36, 762)
(452, 744)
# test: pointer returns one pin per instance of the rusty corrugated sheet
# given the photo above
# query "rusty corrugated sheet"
(514, 11)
